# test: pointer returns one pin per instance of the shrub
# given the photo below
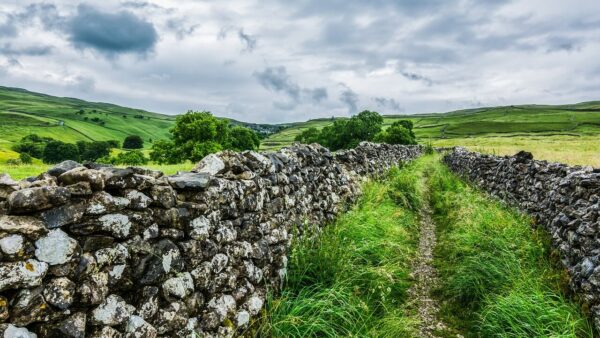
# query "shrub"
(243, 139)
(92, 151)
(57, 151)
(133, 142)
(133, 157)
(166, 152)
(25, 158)
(397, 133)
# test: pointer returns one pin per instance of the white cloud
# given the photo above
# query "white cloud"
(410, 56)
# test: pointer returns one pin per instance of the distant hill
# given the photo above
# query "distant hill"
(68, 119)
(542, 120)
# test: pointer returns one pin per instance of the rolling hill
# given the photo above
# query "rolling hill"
(68, 119)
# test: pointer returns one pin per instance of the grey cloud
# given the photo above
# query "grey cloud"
(81, 83)
(248, 40)
(388, 103)
(109, 33)
(416, 77)
(181, 29)
(350, 99)
(277, 79)
(557, 44)
(9, 49)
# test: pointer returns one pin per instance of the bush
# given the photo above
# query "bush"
(25, 158)
(345, 134)
(243, 139)
(133, 142)
(397, 133)
(197, 134)
(134, 157)
(166, 152)
(32, 144)
(57, 151)
(92, 151)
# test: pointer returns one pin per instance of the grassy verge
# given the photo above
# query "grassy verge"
(495, 271)
(352, 279)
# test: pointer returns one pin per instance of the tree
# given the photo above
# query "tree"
(166, 152)
(397, 133)
(57, 151)
(194, 128)
(25, 158)
(133, 142)
(133, 157)
(243, 139)
(308, 136)
(344, 134)
(92, 151)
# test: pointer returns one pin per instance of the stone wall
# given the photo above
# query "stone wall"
(563, 199)
(105, 252)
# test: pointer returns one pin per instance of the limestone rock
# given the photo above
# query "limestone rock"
(60, 292)
(81, 174)
(34, 199)
(113, 311)
(22, 274)
(180, 286)
(55, 248)
(189, 181)
(27, 226)
(137, 327)
(63, 167)
(211, 164)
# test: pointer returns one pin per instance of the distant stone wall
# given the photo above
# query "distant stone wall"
(106, 252)
(563, 199)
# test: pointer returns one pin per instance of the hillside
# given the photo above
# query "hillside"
(566, 133)
(68, 119)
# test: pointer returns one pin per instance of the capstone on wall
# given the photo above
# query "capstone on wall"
(92, 251)
(563, 199)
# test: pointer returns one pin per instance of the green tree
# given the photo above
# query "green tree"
(243, 139)
(194, 128)
(133, 142)
(397, 133)
(133, 157)
(308, 136)
(166, 152)
(202, 149)
(92, 151)
(25, 158)
(57, 151)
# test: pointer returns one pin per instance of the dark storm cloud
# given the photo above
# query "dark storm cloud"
(416, 77)
(350, 99)
(109, 33)
(388, 103)
(277, 79)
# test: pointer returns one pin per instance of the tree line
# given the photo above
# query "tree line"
(365, 126)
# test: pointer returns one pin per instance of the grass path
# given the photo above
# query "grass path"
(422, 254)
(425, 275)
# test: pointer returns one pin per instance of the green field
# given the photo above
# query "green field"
(568, 133)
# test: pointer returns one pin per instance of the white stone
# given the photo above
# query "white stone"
(18, 332)
(242, 318)
(200, 228)
(222, 305)
(12, 244)
(219, 262)
(55, 248)
(113, 311)
(117, 271)
(254, 305)
(211, 164)
(167, 259)
(118, 224)
(180, 286)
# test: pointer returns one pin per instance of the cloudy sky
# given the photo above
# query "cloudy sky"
(281, 61)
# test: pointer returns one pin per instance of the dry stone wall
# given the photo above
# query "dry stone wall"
(92, 251)
(563, 199)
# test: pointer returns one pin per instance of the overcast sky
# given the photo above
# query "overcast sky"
(281, 61)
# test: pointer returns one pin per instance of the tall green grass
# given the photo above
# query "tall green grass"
(495, 269)
(352, 278)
